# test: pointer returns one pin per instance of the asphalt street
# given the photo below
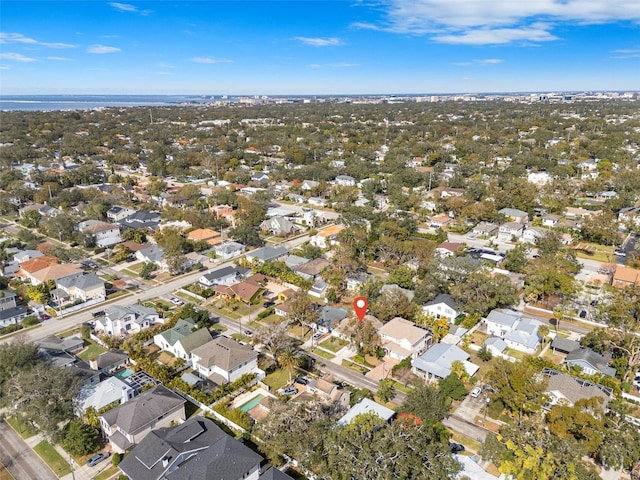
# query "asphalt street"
(19, 459)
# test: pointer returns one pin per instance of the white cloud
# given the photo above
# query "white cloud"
(483, 22)
(5, 67)
(101, 49)
(209, 60)
(489, 61)
(20, 38)
(626, 53)
(164, 65)
(320, 42)
(60, 59)
(17, 57)
(123, 7)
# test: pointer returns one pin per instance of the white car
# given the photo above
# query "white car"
(177, 301)
(475, 393)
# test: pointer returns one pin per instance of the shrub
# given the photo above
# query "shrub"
(116, 459)
(30, 321)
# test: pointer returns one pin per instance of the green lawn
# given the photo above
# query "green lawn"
(334, 344)
(106, 474)
(219, 327)
(52, 458)
(92, 351)
(136, 267)
(277, 379)
(324, 354)
(21, 426)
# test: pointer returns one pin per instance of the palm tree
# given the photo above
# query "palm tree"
(289, 360)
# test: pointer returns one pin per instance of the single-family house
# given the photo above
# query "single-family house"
(364, 406)
(29, 267)
(260, 177)
(327, 237)
(293, 261)
(309, 185)
(515, 215)
(327, 317)
(111, 390)
(485, 229)
(440, 221)
(141, 219)
(564, 345)
(625, 277)
(357, 280)
(153, 254)
(402, 338)
(317, 201)
(551, 220)
(10, 311)
(71, 344)
(182, 338)
(448, 249)
(266, 254)
(109, 362)
(436, 362)
(224, 276)
(81, 286)
(223, 360)
(278, 226)
(510, 230)
(495, 345)
(590, 362)
(129, 423)
(120, 320)
(229, 250)
(212, 237)
(518, 332)
(629, 217)
(117, 213)
(100, 234)
(312, 269)
(345, 181)
(196, 449)
(442, 306)
(564, 389)
(532, 234)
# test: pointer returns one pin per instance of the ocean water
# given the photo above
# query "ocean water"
(84, 102)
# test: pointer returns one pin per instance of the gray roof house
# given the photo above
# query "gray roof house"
(564, 345)
(196, 449)
(56, 344)
(223, 276)
(436, 362)
(442, 306)
(266, 254)
(518, 332)
(590, 362)
(563, 388)
(515, 215)
(367, 406)
(153, 254)
(105, 393)
(224, 360)
(129, 423)
(328, 317)
(125, 320)
(495, 345)
(229, 250)
(182, 339)
(278, 226)
(109, 362)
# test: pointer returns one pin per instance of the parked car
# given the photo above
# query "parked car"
(620, 253)
(248, 333)
(456, 447)
(97, 458)
(98, 314)
(177, 301)
(301, 381)
(288, 391)
(317, 336)
(45, 316)
(583, 314)
(475, 393)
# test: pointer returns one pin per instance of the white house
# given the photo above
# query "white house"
(228, 276)
(79, 287)
(229, 250)
(182, 339)
(153, 254)
(117, 213)
(551, 220)
(436, 362)
(442, 306)
(98, 396)
(402, 338)
(327, 237)
(103, 234)
(518, 332)
(345, 181)
(223, 360)
(507, 231)
(119, 320)
(532, 234)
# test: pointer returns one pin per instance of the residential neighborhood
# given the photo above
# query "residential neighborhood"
(177, 297)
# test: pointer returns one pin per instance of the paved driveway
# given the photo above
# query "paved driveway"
(17, 457)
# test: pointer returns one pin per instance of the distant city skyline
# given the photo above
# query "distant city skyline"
(318, 47)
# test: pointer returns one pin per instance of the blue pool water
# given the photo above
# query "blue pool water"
(122, 374)
(245, 407)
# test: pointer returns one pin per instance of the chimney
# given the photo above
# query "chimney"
(165, 462)
(93, 364)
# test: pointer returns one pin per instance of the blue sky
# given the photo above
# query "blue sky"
(318, 47)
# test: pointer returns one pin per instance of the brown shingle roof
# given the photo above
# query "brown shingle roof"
(39, 263)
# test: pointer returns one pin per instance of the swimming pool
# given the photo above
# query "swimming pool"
(245, 407)
(122, 374)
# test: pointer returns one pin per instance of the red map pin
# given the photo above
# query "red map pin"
(360, 305)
